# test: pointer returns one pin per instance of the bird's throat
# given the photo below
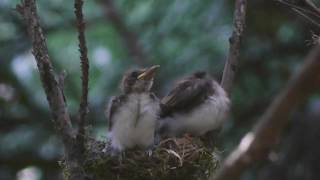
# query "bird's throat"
(137, 116)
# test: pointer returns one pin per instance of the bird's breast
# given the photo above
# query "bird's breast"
(135, 121)
(139, 106)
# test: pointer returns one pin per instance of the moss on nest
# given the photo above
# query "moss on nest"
(174, 158)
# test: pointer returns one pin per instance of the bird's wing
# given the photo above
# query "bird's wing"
(186, 93)
(113, 105)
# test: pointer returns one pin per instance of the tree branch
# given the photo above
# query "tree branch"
(54, 94)
(300, 8)
(311, 5)
(83, 109)
(231, 64)
(130, 39)
(301, 13)
(305, 8)
(256, 145)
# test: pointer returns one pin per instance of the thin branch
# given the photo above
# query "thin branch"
(309, 14)
(83, 108)
(54, 94)
(231, 64)
(130, 39)
(307, 11)
(301, 13)
(311, 5)
(257, 144)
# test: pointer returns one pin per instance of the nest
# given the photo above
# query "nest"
(174, 158)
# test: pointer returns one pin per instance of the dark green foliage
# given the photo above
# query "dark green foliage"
(180, 35)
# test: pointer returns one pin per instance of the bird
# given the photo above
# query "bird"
(132, 116)
(196, 105)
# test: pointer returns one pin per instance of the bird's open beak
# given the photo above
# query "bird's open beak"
(148, 73)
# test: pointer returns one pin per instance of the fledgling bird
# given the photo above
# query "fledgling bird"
(196, 105)
(132, 116)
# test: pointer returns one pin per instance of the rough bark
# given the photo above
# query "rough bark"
(306, 9)
(83, 108)
(54, 93)
(231, 64)
(256, 144)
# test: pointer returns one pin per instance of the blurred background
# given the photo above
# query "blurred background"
(180, 35)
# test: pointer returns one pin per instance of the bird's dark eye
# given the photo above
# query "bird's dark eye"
(200, 74)
(135, 74)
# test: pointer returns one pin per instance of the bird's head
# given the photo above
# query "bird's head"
(199, 75)
(204, 80)
(139, 80)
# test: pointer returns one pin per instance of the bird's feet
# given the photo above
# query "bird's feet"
(112, 151)
(106, 149)
(121, 156)
(149, 152)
